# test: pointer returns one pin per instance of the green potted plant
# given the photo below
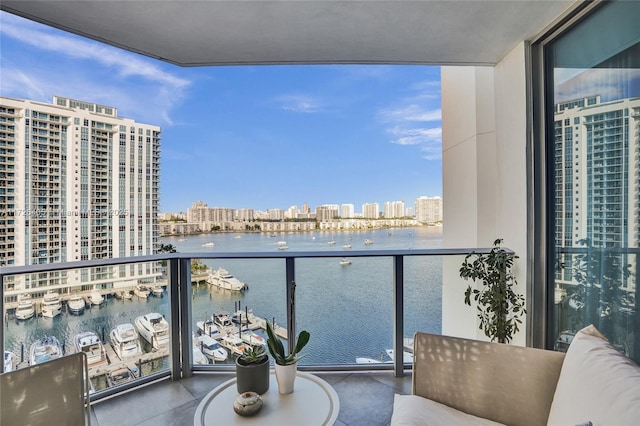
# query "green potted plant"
(252, 370)
(499, 307)
(286, 364)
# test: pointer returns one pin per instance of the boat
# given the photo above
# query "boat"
(564, 340)
(211, 348)
(51, 305)
(120, 376)
(223, 279)
(222, 320)
(25, 308)
(125, 341)
(208, 328)
(346, 246)
(126, 294)
(209, 244)
(283, 247)
(89, 343)
(345, 261)
(75, 304)
(331, 242)
(141, 291)
(282, 243)
(9, 361)
(242, 317)
(44, 349)
(157, 290)
(96, 298)
(235, 345)
(368, 241)
(198, 357)
(407, 357)
(153, 328)
(251, 337)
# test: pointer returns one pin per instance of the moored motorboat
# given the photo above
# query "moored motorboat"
(125, 341)
(157, 290)
(223, 279)
(346, 246)
(222, 320)
(344, 261)
(368, 241)
(44, 349)
(154, 328)
(198, 357)
(51, 305)
(9, 361)
(208, 327)
(25, 308)
(75, 304)
(209, 244)
(89, 343)
(96, 298)
(251, 337)
(211, 348)
(234, 344)
(141, 291)
(120, 376)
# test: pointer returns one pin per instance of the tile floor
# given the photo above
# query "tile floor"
(366, 399)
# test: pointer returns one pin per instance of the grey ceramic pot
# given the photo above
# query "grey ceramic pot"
(253, 377)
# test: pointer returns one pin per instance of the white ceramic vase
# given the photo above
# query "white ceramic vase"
(286, 377)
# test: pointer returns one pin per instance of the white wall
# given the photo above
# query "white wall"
(484, 174)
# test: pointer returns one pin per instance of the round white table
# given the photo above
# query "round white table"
(313, 402)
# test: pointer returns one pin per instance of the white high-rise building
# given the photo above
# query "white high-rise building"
(292, 212)
(428, 209)
(347, 211)
(370, 211)
(77, 183)
(394, 209)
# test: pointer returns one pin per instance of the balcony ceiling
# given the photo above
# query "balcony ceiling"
(196, 33)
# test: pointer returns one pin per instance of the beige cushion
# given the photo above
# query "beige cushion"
(597, 384)
(416, 410)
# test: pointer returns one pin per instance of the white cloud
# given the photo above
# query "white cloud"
(299, 103)
(412, 112)
(136, 85)
(606, 82)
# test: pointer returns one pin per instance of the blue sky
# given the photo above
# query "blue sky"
(250, 136)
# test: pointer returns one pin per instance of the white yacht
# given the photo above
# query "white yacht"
(235, 345)
(223, 279)
(96, 298)
(125, 341)
(75, 304)
(198, 357)
(344, 261)
(25, 308)
(346, 246)
(44, 349)
(368, 241)
(142, 291)
(251, 337)
(51, 305)
(89, 343)
(209, 244)
(9, 361)
(154, 329)
(208, 327)
(211, 348)
(157, 290)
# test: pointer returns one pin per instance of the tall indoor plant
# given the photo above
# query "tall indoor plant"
(252, 370)
(499, 307)
(286, 364)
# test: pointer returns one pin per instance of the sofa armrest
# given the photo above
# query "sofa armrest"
(508, 384)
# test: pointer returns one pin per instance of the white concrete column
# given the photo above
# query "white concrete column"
(484, 174)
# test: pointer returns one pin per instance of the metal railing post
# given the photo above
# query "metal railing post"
(291, 302)
(398, 319)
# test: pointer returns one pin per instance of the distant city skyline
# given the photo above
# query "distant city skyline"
(259, 136)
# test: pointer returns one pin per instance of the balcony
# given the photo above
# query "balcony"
(174, 386)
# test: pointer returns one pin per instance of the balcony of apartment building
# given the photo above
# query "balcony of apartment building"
(497, 85)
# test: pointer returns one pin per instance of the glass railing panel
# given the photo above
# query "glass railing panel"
(117, 314)
(232, 291)
(347, 308)
(422, 297)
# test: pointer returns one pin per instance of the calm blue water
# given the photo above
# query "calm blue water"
(347, 309)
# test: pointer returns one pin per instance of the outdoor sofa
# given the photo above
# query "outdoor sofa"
(467, 382)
